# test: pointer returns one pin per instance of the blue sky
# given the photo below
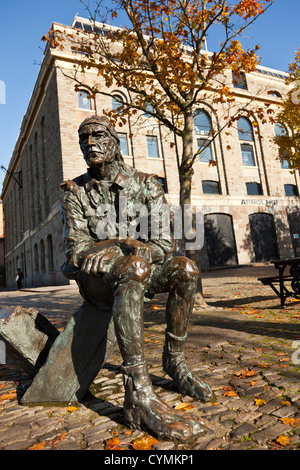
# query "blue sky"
(24, 22)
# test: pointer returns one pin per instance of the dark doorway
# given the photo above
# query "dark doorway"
(220, 240)
(263, 237)
(294, 222)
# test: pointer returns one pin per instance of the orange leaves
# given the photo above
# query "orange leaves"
(290, 421)
(283, 440)
(144, 443)
(113, 444)
(8, 396)
(184, 406)
(38, 446)
(229, 392)
(141, 443)
(249, 8)
(242, 374)
(50, 443)
(70, 409)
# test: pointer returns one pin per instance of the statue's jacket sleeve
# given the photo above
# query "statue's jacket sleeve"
(77, 236)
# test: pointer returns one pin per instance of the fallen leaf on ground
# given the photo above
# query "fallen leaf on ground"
(231, 393)
(291, 421)
(260, 402)
(283, 440)
(144, 443)
(38, 446)
(70, 409)
(264, 365)
(245, 373)
(112, 444)
(8, 396)
(183, 406)
(285, 402)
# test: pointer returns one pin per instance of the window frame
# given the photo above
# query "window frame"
(258, 185)
(153, 138)
(217, 185)
(208, 149)
(247, 142)
(204, 136)
(124, 134)
(239, 83)
(294, 186)
(113, 107)
(285, 165)
(90, 108)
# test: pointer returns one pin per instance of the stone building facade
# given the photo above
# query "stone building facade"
(250, 201)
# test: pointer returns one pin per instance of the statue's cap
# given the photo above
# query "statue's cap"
(103, 121)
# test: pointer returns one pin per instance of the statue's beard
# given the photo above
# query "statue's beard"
(98, 158)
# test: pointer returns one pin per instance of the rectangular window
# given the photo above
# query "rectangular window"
(291, 190)
(247, 155)
(123, 144)
(152, 146)
(254, 189)
(84, 102)
(211, 187)
(206, 155)
(239, 81)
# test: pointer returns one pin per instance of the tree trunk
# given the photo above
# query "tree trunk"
(185, 179)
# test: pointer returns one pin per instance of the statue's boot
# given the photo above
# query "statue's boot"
(144, 410)
(175, 366)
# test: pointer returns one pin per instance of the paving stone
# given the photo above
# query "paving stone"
(285, 412)
(243, 430)
(272, 432)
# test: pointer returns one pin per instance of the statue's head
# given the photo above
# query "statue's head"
(99, 141)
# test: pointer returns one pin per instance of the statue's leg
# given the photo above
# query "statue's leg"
(182, 278)
(142, 408)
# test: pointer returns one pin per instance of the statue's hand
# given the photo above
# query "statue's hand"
(131, 246)
(98, 262)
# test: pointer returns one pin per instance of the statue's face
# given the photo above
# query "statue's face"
(97, 144)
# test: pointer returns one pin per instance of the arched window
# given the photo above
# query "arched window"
(280, 129)
(245, 131)
(274, 93)
(36, 258)
(203, 128)
(116, 101)
(42, 256)
(50, 254)
(202, 123)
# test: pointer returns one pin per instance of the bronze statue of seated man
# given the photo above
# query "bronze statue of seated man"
(117, 273)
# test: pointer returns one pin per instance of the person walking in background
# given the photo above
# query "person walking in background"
(19, 278)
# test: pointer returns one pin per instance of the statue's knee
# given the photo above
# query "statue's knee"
(184, 269)
(133, 268)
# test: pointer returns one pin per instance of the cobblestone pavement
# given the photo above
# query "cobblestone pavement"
(244, 345)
